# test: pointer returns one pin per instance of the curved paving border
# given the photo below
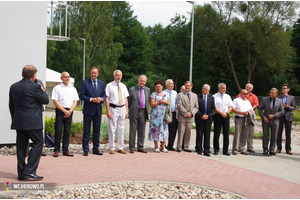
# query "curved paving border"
(170, 167)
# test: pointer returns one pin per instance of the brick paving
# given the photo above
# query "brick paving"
(171, 167)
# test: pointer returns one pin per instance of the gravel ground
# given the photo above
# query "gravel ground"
(126, 190)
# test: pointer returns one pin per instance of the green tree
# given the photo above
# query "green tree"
(91, 20)
(136, 56)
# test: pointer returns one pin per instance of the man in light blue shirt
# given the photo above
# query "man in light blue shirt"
(172, 126)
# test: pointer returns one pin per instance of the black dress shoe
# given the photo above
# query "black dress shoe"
(31, 177)
(178, 150)
(85, 153)
(226, 154)
(187, 150)
(216, 153)
(273, 153)
(265, 152)
(206, 154)
(199, 152)
(97, 153)
(171, 149)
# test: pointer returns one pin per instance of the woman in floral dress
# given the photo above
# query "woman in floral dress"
(158, 128)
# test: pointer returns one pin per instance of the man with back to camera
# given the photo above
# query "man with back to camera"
(65, 99)
(270, 110)
(92, 92)
(174, 124)
(223, 105)
(138, 103)
(203, 119)
(25, 104)
(286, 119)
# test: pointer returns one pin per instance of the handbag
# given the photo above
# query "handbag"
(168, 115)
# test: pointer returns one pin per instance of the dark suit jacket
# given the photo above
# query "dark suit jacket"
(134, 101)
(25, 105)
(210, 108)
(87, 91)
(290, 100)
(277, 110)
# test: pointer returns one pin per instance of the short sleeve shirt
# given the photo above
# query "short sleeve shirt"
(65, 95)
(112, 92)
(241, 105)
(218, 101)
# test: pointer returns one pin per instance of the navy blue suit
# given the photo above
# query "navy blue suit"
(91, 112)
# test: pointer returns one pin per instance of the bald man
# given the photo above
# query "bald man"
(65, 99)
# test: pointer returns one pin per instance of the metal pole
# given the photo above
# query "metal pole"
(192, 40)
(83, 73)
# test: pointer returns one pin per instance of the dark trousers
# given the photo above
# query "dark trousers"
(219, 122)
(60, 122)
(172, 130)
(87, 120)
(274, 129)
(203, 129)
(23, 137)
(288, 128)
(138, 125)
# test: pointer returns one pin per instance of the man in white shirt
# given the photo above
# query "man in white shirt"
(241, 108)
(65, 99)
(223, 105)
(174, 124)
(117, 111)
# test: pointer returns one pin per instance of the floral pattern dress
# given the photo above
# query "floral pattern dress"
(158, 129)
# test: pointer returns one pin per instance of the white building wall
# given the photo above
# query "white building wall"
(23, 41)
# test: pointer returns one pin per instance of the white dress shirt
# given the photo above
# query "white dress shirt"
(173, 95)
(65, 95)
(227, 101)
(112, 92)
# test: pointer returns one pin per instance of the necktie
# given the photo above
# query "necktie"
(95, 86)
(223, 103)
(141, 98)
(284, 100)
(172, 103)
(189, 95)
(205, 104)
(120, 97)
(271, 103)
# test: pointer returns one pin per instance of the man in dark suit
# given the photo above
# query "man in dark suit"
(25, 104)
(286, 119)
(204, 118)
(270, 110)
(92, 92)
(138, 103)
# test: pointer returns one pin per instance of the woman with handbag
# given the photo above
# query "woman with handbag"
(158, 128)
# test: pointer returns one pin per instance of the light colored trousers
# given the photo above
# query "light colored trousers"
(117, 122)
(184, 133)
(240, 134)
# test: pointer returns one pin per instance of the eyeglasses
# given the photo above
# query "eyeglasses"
(66, 76)
(284, 88)
(245, 93)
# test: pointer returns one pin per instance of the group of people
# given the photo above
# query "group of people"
(26, 99)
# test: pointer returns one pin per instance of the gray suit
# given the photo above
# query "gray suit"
(185, 106)
(277, 111)
(286, 119)
(137, 116)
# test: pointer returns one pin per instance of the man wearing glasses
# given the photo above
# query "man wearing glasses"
(241, 108)
(286, 119)
(254, 103)
(65, 99)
